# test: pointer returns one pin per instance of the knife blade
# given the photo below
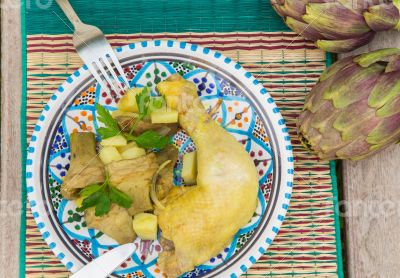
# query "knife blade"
(107, 263)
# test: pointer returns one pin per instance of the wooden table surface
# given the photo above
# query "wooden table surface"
(371, 188)
(371, 191)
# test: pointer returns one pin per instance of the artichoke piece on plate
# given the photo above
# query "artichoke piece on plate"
(127, 122)
(117, 223)
(133, 177)
(85, 167)
(165, 181)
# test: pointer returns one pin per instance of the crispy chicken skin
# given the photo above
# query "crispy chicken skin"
(201, 220)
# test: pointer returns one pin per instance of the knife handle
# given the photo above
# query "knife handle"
(104, 265)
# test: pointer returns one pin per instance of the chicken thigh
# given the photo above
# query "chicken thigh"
(199, 221)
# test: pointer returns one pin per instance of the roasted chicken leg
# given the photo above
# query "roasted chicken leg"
(199, 221)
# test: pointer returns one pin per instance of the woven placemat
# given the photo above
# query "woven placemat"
(288, 67)
(308, 244)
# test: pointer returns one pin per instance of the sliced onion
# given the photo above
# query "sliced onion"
(153, 194)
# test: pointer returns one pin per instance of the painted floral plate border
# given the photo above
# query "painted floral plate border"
(45, 139)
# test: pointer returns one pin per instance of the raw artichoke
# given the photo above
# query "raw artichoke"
(354, 110)
(339, 25)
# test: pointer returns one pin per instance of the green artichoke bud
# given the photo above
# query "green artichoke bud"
(354, 109)
(339, 25)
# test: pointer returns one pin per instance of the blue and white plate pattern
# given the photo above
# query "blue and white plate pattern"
(239, 104)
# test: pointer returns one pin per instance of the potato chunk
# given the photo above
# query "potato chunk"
(128, 102)
(145, 226)
(189, 170)
(130, 145)
(116, 141)
(109, 154)
(133, 153)
(164, 116)
(119, 113)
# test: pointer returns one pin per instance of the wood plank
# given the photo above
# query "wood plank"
(10, 204)
(372, 194)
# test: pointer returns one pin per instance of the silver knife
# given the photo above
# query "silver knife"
(107, 263)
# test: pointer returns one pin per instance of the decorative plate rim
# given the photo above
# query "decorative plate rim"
(284, 148)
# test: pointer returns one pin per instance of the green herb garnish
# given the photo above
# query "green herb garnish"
(111, 126)
(143, 103)
(152, 140)
(101, 196)
(148, 140)
(143, 100)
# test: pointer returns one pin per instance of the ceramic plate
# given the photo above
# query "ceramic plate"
(245, 110)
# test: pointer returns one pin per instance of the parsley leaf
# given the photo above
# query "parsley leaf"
(143, 102)
(105, 117)
(120, 198)
(101, 196)
(111, 126)
(90, 190)
(90, 201)
(129, 137)
(157, 103)
(107, 132)
(152, 140)
(103, 205)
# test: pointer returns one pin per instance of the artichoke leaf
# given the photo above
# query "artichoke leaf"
(382, 17)
(352, 84)
(390, 108)
(358, 119)
(335, 20)
(345, 45)
(387, 128)
(335, 68)
(386, 89)
(381, 55)
(293, 8)
(393, 64)
(302, 28)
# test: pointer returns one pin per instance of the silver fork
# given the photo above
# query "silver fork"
(95, 51)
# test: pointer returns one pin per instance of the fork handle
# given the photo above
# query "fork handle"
(69, 12)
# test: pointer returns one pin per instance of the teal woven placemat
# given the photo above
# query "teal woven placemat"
(152, 16)
(224, 25)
